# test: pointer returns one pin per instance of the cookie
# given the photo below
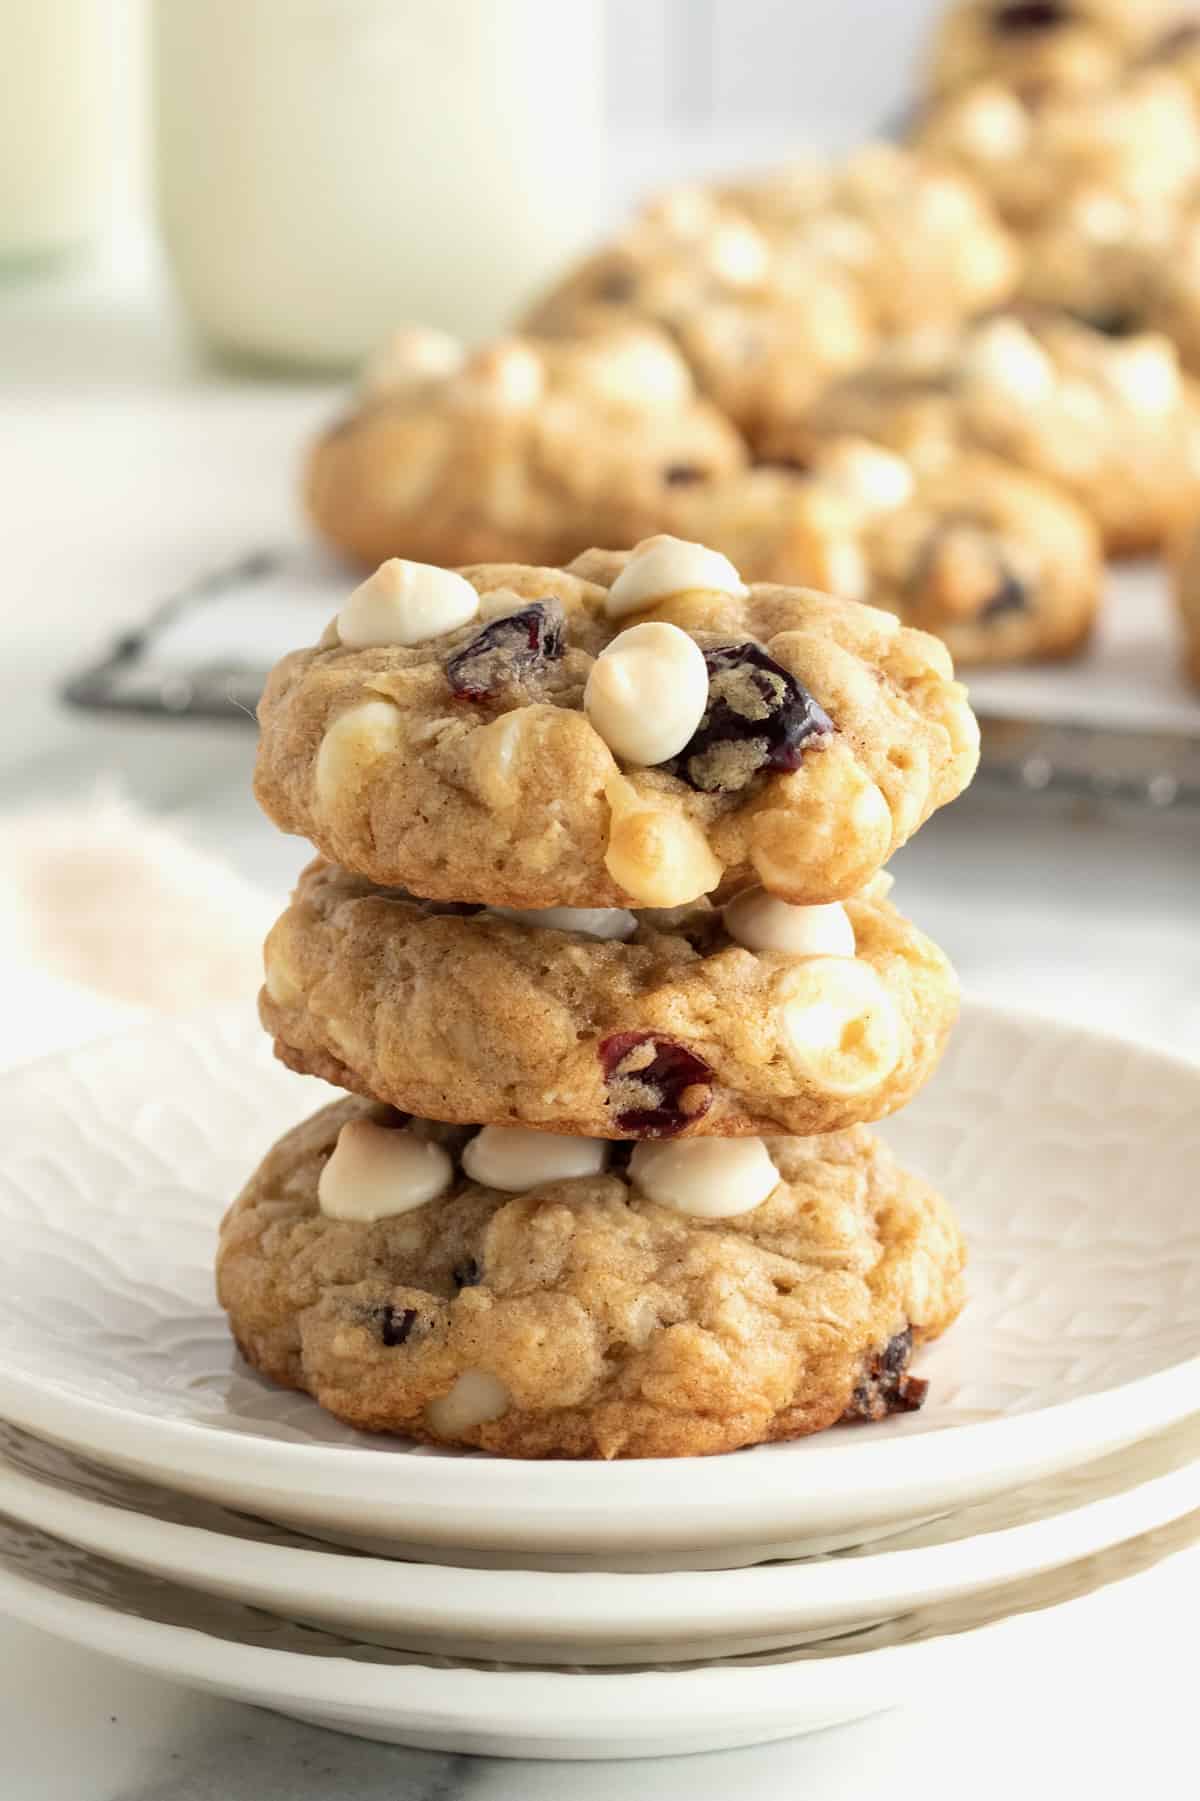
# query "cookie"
(999, 565)
(755, 327)
(761, 1017)
(773, 285)
(568, 1302)
(1108, 260)
(1187, 594)
(1138, 142)
(919, 241)
(528, 451)
(1043, 47)
(636, 731)
(1170, 294)
(534, 449)
(1110, 421)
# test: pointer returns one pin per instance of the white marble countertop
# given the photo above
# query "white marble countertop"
(125, 468)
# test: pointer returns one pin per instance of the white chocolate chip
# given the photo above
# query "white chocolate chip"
(1146, 375)
(378, 1171)
(992, 125)
(876, 480)
(515, 1159)
(356, 739)
(412, 355)
(708, 1178)
(661, 566)
(476, 1398)
(509, 376)
(762, 922)
(738, 253)
(1004, 355)
(594, 922)
(658, 857)
(638, 370)
(647, 692)
(406, 603)
(839, 1025)
(496, 758)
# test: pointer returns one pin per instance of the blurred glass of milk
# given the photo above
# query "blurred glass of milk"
(329, 168)
(56, 116)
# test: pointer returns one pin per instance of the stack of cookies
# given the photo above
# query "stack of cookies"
(599, 943)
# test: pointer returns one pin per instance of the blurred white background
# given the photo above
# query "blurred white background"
(833, 69)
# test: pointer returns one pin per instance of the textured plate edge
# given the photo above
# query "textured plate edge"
(732, 1602)
(947, 1457)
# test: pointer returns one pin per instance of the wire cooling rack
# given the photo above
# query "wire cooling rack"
(1119, 723)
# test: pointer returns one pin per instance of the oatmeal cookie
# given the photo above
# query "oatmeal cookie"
(1043, 47)
(773, 285)
(692, 1299)
(999, 565)
(636, 731)
(608, 1023)
(535, 449)
(1138, 142)
(919, 241)
(528, 451)
(1111, 421)
(752, 325)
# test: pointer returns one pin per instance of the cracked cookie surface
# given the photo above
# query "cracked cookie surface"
(580, 1318)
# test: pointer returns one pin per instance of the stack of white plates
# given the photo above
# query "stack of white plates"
(159, 1502)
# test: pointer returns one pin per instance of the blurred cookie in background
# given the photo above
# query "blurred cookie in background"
(1044, 46)
(1137, 141)
(774, 284)
(749, 325)
(920, 242)
(1111, 422)
(523, 451)
(1000, 566)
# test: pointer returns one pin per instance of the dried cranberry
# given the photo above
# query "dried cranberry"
(507, 650)
(468, 1274)
(758, 717)
(1011, 596)
(1030, 15)
(886, 1386)
(657, 1086)
(961, 560)
(396, 1324)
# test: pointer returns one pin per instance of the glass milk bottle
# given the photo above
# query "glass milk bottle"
(56, 101)
(330, 168)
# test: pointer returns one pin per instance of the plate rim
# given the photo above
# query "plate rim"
(551, 1701)
(744, 1601)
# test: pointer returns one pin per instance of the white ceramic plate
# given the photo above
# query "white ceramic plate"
(1072, 1157)
(528, 1616)
(456, 1705)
